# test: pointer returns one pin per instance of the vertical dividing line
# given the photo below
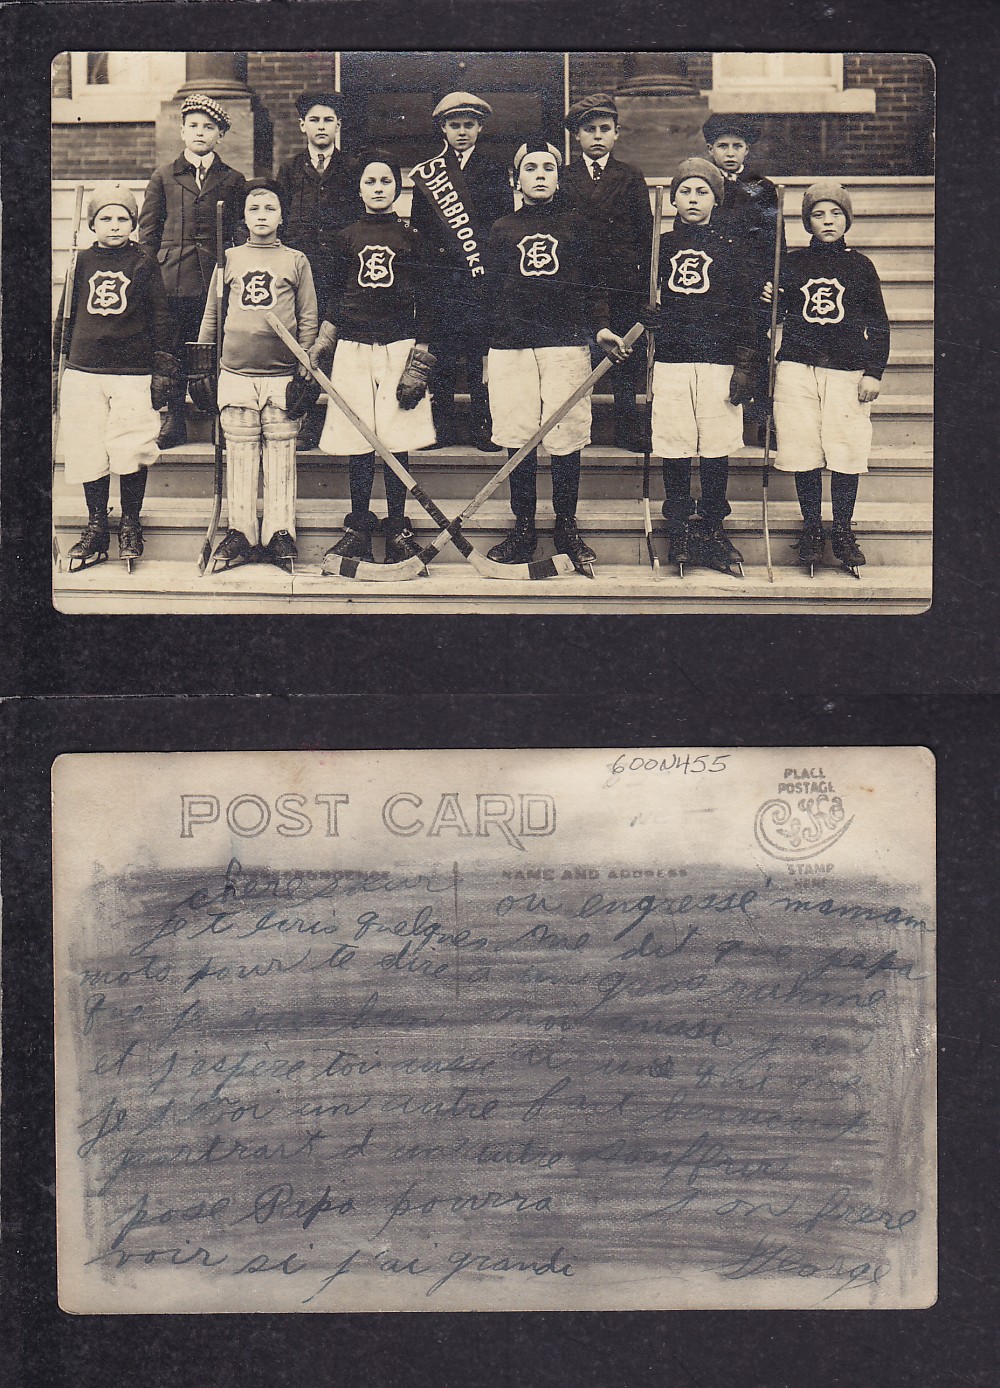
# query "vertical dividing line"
(565, 107)
(454, 887)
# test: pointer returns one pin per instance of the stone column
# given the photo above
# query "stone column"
(218, 75)
(661, 113)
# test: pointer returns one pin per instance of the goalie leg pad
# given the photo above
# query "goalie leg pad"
(279, 472)
(243, 437)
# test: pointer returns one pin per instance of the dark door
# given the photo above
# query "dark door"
(392, 96)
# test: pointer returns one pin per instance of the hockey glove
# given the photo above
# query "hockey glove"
(416, 373)
(321, 352)
(201, 375)
(301, 394)
(164, 379)
(741, 381)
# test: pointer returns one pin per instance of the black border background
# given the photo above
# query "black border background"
(81, 684)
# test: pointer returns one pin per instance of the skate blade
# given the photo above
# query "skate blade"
(853, 571)
(586, 569)
(77, 566)
(680, 570)
(128, 565)
(222, 566)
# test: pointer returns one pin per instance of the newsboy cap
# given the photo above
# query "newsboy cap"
(198, 101)
(598, 104)
(461, 104)
(718, 125)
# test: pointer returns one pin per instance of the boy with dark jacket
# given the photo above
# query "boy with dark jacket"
(319, 191)
(457, 196)
(614, 197)
(177, 227)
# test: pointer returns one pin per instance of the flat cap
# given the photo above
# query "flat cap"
(461, 104)
(597, 104)
(198, 101)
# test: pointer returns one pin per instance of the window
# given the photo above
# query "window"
(784, 82)
(110, 86)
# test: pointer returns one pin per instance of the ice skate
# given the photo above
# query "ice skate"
(847, 549)
(130, 541)
(680, 549)
(811, 546)
(714, 550)
(355, 543)
(233, 551)
(400, 543)
(282, 551)
(519, 546)
(92, 546)
(568, 540)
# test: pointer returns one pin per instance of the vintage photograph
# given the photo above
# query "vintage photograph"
(492, 332)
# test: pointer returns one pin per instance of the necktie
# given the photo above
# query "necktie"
(596, 171)
(199, 173)
(320, 163)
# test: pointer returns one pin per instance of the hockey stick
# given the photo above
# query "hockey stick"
(765, 476)
(61, 360)
(450, 529)
(484, 494)
(410, 568)
(654, 275)
(218, 480)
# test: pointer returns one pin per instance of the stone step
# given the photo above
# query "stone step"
(890, 533)
(175, 587)
(913, 330)
(906, 289)
(449, 474)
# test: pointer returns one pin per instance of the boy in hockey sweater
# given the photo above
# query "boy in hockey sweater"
(705, 334)
(615, 198)
(256, 371)
(177, 228)
(376, 318)
(119, 373)
(834, 349)
(547, 278)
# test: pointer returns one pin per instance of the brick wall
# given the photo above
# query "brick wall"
(103, 151)
(895, 139)
(278, 78)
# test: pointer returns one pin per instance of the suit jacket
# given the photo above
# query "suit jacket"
(749, 216)
(177, 222)
(317, 207)
(618, 208)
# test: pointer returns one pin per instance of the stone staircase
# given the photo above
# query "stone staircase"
(893, 225)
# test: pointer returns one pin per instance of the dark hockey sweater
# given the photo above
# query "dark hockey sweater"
(546, 279)
(833, 311)
(707, 301)
(379, 281)
(119, 314)
(748, 216)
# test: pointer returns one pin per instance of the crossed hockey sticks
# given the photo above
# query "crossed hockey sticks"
(67, 305)
(219, 475)
(451, 529)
